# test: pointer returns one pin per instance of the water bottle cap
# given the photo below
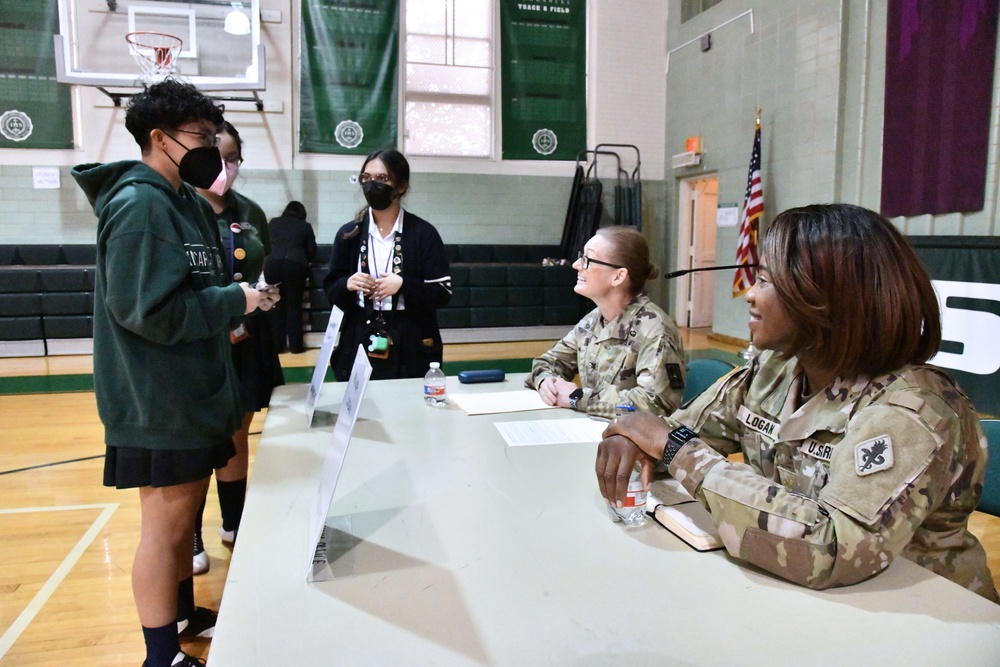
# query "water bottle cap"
(435, 364)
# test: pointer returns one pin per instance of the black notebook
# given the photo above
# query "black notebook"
(673, 508)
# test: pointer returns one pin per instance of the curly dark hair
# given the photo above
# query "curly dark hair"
(168, 105)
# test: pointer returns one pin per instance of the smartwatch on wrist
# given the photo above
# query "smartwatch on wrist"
(575, 397)
(677, 439)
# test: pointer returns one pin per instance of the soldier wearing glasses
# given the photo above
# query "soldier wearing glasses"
(627, 351)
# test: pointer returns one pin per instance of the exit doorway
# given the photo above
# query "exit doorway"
(698, 204)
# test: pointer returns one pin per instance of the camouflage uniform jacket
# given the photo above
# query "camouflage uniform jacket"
(637, 359)
(834, 488)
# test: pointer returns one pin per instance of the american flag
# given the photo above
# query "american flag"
(753, 207)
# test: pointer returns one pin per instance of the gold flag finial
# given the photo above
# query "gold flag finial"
(758, 115)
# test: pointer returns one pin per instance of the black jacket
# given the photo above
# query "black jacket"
(426, 287)
(292, 239)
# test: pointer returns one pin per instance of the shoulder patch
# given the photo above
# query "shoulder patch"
(873, 455)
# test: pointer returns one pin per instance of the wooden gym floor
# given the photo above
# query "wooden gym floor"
(67, 542)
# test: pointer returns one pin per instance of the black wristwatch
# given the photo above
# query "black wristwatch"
(575, 397)
(677, 439)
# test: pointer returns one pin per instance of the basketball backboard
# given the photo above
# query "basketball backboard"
(221, 42)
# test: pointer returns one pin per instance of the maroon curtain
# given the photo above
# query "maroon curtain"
(938, 88)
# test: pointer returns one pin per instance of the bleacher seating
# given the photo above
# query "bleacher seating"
(46, 299)
(492, 286)
(47, 294)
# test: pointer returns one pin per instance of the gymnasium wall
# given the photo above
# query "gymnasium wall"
(817, 69)
(470, 201)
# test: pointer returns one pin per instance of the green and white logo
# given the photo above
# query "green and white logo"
(544, 142)
(349, 134)
(15, 125)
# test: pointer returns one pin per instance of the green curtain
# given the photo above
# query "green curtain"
(35, 109)
(350, 65)
(543, 44)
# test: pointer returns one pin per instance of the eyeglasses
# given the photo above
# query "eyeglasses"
(381, 178)
(208, 140)
(585, 262)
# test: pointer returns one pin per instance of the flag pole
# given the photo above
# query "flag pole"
(751, 352)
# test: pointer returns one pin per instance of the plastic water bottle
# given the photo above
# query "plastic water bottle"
(434, 386)
(632, 513)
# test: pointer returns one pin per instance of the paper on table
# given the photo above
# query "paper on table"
(500, 401)
(551, 431)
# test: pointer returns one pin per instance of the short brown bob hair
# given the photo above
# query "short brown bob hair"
(862, 301)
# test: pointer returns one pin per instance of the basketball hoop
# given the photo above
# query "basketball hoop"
(155, 53)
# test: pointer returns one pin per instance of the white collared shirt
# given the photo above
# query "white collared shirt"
(380, 255)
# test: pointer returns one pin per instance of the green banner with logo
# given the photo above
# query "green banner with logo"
(965, 271)
(543, 46)
(35, 109)
(350, 70)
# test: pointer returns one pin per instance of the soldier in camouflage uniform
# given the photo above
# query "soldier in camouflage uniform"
(627, 350)
(855, 451)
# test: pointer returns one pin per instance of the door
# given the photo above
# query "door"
(696, 250)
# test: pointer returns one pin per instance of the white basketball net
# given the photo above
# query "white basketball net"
(155, 53)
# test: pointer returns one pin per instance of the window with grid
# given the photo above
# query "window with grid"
(448, 92)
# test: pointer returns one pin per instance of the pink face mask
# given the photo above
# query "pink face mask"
(221, 184)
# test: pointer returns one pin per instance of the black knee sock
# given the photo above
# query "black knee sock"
(185, 601)
(162, 645)
(231, 498)
(198, 519)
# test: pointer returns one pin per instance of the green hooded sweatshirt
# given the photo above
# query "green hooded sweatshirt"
(163, 308)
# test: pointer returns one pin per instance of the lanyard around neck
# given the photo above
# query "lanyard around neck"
(388, 259)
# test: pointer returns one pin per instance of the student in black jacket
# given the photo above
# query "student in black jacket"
(293, 247)
(389, 274)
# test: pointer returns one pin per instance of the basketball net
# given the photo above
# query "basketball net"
(155, 54)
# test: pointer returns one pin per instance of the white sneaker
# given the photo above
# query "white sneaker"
(199, 563)
(228, 536)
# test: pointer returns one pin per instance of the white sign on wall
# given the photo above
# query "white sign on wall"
(45, 178)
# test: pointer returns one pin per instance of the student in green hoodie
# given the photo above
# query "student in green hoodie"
(164, 306)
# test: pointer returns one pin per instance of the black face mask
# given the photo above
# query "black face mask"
(378, 195)
(199, 166)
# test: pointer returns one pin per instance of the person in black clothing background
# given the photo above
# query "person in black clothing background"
(389, 274)
(293, 247)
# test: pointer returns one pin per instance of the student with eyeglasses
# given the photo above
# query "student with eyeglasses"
(626, 351)
(164, 305)
(246, 243)
(389, 274)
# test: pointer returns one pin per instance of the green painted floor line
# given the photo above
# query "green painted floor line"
(46, 384)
